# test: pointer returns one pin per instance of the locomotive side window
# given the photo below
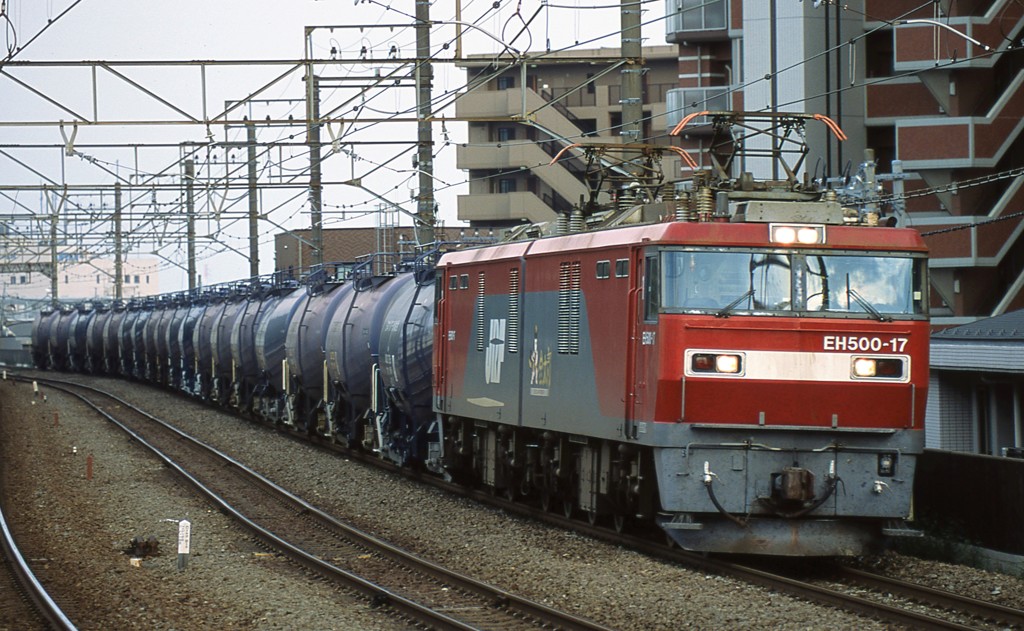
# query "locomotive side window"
(622, 268)
(652, 288)
(453, 282)
(604, 269)
(464, 281)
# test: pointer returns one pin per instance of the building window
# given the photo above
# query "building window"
(127, 278)
(24, 280)
(65, 279)
(506, 185)
(506, 134)
(506, 83)
(147, 279)
(700, 15)
(136, 279)
(591, 88)
(97, 279)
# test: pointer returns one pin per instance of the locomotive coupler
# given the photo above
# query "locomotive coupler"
(793, 484)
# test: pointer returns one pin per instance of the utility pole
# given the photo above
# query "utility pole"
(828, 91)
(773, 29)
(839, 81)
(632, 74)
(315, 179)
(190, 214)
(254, 235)
(54, 298)
(424, 136)
(118, 260)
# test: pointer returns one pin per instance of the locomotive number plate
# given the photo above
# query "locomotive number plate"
(864, 343)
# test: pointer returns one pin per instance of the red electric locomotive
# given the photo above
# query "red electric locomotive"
(753, 377)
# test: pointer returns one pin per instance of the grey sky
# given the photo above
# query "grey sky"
(237, 30)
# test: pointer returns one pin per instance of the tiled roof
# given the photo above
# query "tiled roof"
(1007, 327)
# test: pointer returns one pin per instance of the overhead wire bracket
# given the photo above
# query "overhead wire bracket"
(69, 143)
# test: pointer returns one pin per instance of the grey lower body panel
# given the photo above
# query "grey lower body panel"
(776, 537)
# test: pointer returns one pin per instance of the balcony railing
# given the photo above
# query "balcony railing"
(651, 93)
(681, 102)
(570, 97)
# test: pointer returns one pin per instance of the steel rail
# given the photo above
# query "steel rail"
(35, 591)
(545, 615)
(936, 597)
(723, 567)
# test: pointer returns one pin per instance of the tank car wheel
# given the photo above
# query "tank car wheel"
(509, 493)
(545, 501)
(619, 521)
(592, 517)
(567, 507)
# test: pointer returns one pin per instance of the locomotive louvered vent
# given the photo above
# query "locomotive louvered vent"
(513, 310)
(480, 329)
(569, 308)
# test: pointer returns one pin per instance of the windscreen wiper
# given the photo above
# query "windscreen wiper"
(724, 311)
(867, 306)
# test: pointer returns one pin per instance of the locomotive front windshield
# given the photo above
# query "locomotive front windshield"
(805, 282)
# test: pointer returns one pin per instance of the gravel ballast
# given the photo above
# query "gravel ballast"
(82, 527)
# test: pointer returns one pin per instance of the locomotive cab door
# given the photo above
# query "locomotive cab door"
(643, 314)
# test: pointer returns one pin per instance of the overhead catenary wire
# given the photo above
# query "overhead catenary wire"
(447, 95)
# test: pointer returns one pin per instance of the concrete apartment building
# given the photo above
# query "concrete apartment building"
(293, 250)
(725, 53)
(948, 107)
(567, 98)
(92, 280)
(27, 264)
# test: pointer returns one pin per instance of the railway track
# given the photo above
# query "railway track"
(955, 609)
(22, 596)
(878, 597)
(414, 589)
(857, 591)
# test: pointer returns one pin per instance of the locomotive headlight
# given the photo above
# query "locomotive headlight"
(796, 233)
(807, 236)
(878, 367)
(727, 363)
(886, 464)
(864, 367)
(724, 363)
(784, 234)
